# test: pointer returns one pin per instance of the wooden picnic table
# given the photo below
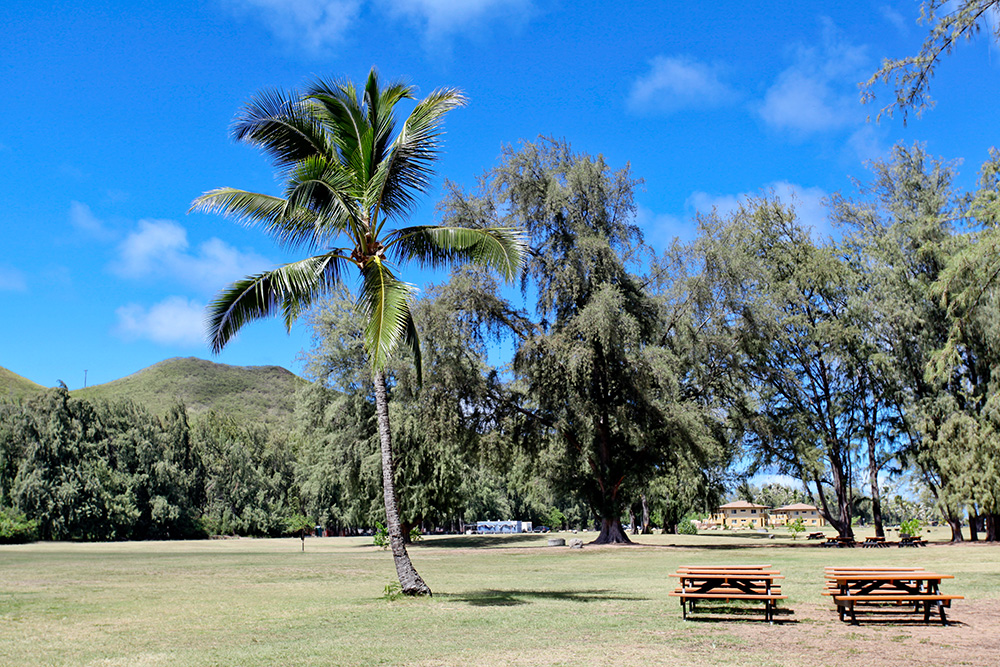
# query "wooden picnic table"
(839, 541)
(875, 542)
(899, 586)
(753, 583)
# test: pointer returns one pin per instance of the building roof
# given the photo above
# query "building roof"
(796, 506)
(741, 505)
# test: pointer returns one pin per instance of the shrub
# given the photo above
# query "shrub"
(15, 528)
(381, 536)
(686, 527)
(910, 527)
(796, 527)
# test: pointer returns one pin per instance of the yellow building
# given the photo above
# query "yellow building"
(809, 514)
(740, 514)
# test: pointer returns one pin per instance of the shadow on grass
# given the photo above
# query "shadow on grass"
(480, 541)
(512, 598)
(722, 613)
(898, 616)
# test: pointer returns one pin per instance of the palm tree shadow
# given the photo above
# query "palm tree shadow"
(480, 541)
(515, 597)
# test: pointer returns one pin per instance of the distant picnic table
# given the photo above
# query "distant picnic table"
(875, 542)
(901, 586)
(839, 541)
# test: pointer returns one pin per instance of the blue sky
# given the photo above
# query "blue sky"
(114, 117)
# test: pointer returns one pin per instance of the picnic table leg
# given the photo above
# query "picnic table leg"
(854, 617)
(684, 611)
(927, 611)
(944, 619)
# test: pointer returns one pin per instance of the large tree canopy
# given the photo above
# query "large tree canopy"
(597, 390)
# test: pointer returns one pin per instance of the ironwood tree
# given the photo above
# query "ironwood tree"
(789, 335)
(596, 389)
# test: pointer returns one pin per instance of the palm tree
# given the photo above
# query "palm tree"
(348, 173)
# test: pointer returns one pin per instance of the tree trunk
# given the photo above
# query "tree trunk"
(956, 527)
(632, 521)
(409, 580)
(993, 527)
(873, 481)
(612, 533)
(646, 528)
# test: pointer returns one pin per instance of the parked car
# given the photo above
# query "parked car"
(540, 529)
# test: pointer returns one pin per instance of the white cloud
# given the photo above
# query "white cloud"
(12, 280)
(896, 19)
(173, 321)
(703, 202)
(808, 203)
(662, 227)
(83, 219)
(443, 17)
(818, 92)
(316, 26)
(160, 249)
(676, 83)
(868, 143)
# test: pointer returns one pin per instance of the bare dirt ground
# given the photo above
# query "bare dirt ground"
(813, 635)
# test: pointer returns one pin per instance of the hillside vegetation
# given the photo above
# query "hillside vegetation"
(15, 387)
(257, 393)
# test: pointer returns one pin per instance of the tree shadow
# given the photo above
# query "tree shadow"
(515, 597)
(480, 541)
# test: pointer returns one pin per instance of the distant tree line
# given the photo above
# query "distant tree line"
(637, 385)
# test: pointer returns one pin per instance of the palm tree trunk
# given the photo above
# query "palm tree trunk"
(409, 580)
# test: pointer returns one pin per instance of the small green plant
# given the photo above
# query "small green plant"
(299, 524)
(392, 591)
(687, 527)
(381, 536)
(555, 518)
(910, 527)
(796, 527)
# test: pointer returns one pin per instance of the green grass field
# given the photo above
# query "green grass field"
(504, 600)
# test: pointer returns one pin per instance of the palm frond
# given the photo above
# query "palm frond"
(286, 130)
(501, 249)
(407, 167)
(290, 289)
(412, 340)
(325, 188)
(289, 226)
(336, 105)
(385, 302)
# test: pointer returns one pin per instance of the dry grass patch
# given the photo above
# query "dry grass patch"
(497, 602)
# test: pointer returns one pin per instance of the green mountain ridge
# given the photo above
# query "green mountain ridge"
(258, 393)
(15, 387)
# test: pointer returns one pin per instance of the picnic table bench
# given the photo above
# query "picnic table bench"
(816, 536)
(729, 582)
(899, 586)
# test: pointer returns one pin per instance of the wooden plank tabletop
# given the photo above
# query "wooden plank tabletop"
(887, 576)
